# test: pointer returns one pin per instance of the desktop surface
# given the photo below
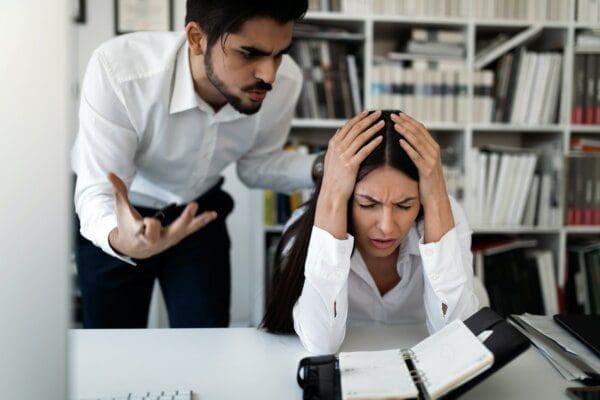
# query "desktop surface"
(247, 363)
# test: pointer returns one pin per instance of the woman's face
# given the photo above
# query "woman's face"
(385, 204)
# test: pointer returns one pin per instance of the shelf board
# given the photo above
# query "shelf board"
(323, 123)
(500, 127)
(518, 23)
(318, 123)
(513, 229)
(591, 229)
(418, 20)
(333, 16)
(273, 228)
(585, 128)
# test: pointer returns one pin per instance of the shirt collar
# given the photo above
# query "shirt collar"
(184, 96)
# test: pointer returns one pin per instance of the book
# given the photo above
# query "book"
(433, 367)
(503, 46)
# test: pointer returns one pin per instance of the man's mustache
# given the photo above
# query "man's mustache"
(259, 86)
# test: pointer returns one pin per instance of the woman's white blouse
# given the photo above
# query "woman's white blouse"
(339, 289)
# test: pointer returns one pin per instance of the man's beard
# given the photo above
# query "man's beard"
(235, 101)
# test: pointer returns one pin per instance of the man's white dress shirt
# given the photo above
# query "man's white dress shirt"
(141, 118)
(339, 290)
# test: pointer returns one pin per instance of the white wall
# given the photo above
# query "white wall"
(100, 27)
(34, 198)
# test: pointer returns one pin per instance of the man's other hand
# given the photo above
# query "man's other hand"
(139, 237)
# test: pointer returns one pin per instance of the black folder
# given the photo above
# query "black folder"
(586, 328)
(319, 377)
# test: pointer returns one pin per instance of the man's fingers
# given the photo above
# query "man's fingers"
(188, 223)
(201, 221)
(118, 185)
(152, 230)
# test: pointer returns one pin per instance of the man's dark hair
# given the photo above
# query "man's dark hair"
(220, 17)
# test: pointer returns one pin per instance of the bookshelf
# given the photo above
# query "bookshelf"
(381, 33)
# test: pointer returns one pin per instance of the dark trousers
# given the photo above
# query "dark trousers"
(194, 276)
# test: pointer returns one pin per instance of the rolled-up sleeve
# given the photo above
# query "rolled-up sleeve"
(321, 310)
(448, 274)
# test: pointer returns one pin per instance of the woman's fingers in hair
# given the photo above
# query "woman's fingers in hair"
(360, 127)
(408, 122)
(363, 138)
(412, 153)
(367, 149)
(418, 136)
(343, 131)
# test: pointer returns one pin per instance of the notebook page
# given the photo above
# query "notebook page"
(375, 375)
(450, 357)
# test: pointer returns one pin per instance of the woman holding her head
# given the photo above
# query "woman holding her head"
(380, 242)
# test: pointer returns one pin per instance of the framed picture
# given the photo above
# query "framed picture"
(143, 15)
(78, 12)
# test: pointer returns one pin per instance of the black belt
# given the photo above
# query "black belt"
(214, 199)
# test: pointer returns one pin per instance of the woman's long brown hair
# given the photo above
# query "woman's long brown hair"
(290, 255)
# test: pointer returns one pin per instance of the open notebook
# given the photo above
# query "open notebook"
(433, 367)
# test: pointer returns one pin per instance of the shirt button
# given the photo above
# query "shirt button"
(435, 277)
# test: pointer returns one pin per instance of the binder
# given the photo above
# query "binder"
(319, 377)
(586, 328)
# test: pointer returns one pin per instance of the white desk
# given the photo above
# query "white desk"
(246, 363)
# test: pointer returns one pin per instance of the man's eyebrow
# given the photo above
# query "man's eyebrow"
(374, 200)
(259, 52)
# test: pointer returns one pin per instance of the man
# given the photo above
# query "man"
(161, 116)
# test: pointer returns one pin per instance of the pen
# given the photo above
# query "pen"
(160, 215)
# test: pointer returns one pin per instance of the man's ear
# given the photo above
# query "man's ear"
(196, 38)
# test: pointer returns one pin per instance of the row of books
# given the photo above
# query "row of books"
(518, 276)
(530, 10)
(410, 8)
(527, 87)
(505, 190)
(586, 89)
(582, 290)
(430, 95)
(331, 86)
(583, 182)
(588, 11)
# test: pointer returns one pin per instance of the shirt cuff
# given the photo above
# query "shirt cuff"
(106, 225)
(442, 262)
(328, 258)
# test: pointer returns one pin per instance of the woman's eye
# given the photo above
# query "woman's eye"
(366, 205)
(403, 207)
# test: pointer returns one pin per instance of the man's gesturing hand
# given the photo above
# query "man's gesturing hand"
(139, 237)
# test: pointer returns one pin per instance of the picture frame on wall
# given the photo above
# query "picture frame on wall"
(78, 12)
(143, 15)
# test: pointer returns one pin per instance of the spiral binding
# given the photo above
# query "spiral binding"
(417, 375)
(409, 354)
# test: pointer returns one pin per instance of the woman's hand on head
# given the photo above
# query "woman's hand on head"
(425, 152)
(346, 150)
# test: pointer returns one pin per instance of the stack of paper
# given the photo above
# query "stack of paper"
(570, 357)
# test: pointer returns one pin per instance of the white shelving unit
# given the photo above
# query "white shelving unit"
(468, 134)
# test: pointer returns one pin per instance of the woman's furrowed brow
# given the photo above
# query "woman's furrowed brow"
(374, 200)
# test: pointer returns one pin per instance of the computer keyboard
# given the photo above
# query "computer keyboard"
(165, 395)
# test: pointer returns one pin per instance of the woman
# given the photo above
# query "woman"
(387, 244)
